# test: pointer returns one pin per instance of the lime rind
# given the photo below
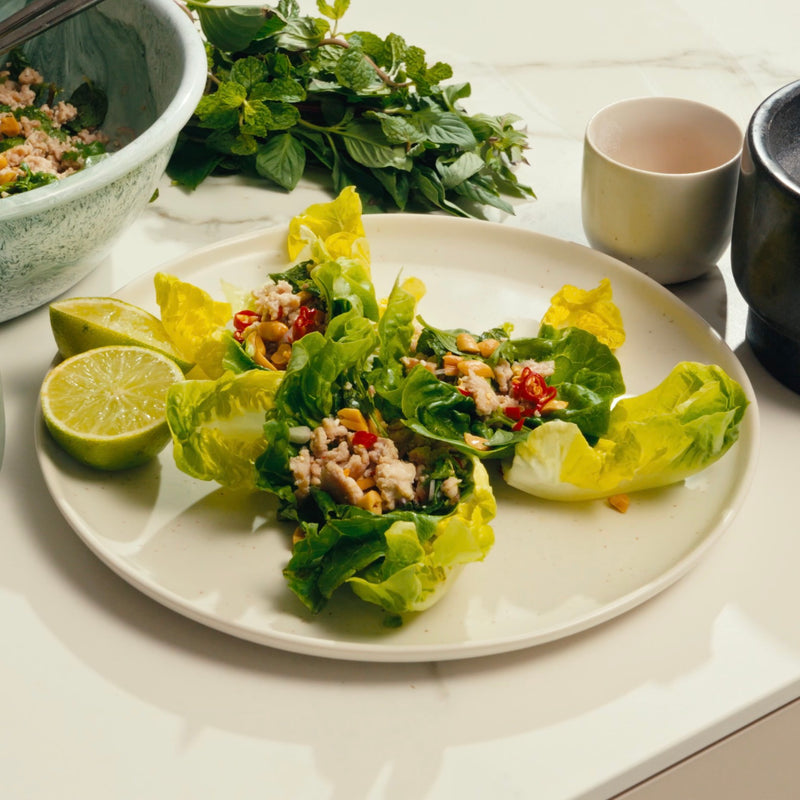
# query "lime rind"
(86, 323)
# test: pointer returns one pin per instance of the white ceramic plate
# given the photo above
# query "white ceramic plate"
(556, 569)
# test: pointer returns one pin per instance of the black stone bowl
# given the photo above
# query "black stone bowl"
(765, 247)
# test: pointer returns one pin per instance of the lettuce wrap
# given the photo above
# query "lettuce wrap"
(683, 425)
(484, 400)
(400, 553)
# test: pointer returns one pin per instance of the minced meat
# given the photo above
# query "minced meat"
(362, 470)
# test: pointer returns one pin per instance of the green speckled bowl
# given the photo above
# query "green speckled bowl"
(150, 59)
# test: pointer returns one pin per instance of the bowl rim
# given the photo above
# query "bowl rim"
(147, 143)
(758, 133)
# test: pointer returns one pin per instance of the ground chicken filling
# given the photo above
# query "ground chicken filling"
(29, 147)
(517, 389)
(280, 317)
(363, 469)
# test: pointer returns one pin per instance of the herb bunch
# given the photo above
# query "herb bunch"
(287, 91)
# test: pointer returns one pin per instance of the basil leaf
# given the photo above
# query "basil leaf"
(444, 127)
(459, 170)
(230, 29)
(282, 159)
(91, 103)
(366, 145)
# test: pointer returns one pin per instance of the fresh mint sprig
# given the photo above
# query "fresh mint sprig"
(287, 91)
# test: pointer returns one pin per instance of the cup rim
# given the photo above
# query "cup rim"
(758, 130)
(663, 100)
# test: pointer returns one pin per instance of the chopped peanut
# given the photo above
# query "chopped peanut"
(280, 358)
(466, 343)
(487, 346)
(450, 363)
(554, 405)
(478, 442)
(259, 350)
(352, 419)
(619, 502)
(475, 367)
(272, 330)
(371, 501)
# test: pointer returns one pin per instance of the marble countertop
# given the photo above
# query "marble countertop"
(108, 694)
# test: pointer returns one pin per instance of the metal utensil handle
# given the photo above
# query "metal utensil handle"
(37, 17)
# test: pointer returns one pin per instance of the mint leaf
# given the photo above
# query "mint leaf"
(91, 103)
(397, 129)
(454, 92)
(228, 96)
(282, 160)
(396, 51)
(248, 72)
(284, 116)
(371, 44)
(256, 118)
(335, 11)
(302, 33)
(284, 89)
(354, 71)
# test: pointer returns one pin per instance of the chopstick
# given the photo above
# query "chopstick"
(37, 17)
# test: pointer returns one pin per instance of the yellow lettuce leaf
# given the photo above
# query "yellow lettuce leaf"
(330, 230)
(195, 322)
(591, 310)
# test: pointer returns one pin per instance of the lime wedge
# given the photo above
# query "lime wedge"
(83, 323)
(106, 407)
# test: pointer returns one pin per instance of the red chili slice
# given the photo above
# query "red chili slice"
(305, 321)
(241, 320)
(531, 387)
(518, 414)
(364, 438)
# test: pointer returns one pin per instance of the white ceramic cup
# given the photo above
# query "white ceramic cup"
(659, 184)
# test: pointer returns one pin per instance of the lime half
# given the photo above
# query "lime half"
(107, 406)
(84, 323)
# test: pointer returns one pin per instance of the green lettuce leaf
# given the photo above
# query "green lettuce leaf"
(683, 425)
(395, 333)
(218, 425)
(345, 283)
(402, 561)
(587, 373)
